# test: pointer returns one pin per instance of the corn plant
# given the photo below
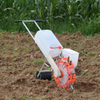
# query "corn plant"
(48, 10)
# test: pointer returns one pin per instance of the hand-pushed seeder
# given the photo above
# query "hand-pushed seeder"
(65, 59)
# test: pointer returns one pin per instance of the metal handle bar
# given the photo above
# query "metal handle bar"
(35, 21)
(17, 21)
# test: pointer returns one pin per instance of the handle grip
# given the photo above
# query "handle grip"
(39, 20)
(18, 21)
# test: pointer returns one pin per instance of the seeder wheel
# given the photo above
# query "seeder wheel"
(68, 76)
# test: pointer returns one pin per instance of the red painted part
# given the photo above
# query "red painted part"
(59, 47)
(68, 76)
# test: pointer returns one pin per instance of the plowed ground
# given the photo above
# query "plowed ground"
(20, 58)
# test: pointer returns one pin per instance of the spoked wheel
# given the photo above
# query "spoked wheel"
(45, 74)
(68, 76)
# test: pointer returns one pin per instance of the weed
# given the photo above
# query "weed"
(14, 59)
(34, 98)
(25, 61)
(11, 67)
(30, 38)
(10, 37)
(97, 59)
(50, 69)
(25, 69)
(19, 42)
(15, 51)
(13, 33)
(38, 69)
(72, 41)
(91, 53)
(34, 47)
(41, 62)
(0, 41)
(2, 35)
(7, 46)
(33, 70)
(5, 51)
(84, 54)
(94, 42)
(16, 43)
(82, 73)
(82, 40)
(91, 97)
(11, 98)
(18, 68)
(97, 74)
(43, 96)
(35, 61)
(80, 47)
(25, 97)
(31, 43)
(88, 46)
(90, 74)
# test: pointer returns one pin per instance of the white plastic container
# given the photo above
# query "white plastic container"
(73, 55)
(46, 39)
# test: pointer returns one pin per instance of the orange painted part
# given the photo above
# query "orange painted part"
(70, 73)
(51, 47)
(59, 47)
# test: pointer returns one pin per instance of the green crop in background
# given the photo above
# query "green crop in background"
(51, 11)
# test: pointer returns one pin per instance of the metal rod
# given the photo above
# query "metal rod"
(41, 68)
(28, 30)
(32, 21)
(47, 65)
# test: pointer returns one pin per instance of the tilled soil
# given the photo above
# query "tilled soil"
(20, 58)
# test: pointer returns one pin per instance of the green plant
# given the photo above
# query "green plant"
(71, 11)
(5, 51)
(91, 97)
(14, 59)
(7, 41)
(11, 98)
(7, 46)
(34, 98)
(91, 53)
(90, 74)
(2, 35)
(33, 70)
(25, 61)
(31, 43)
(25, 69)
(38, 69)
(25, 97)
(97, 59)
(13, 33)
(88, 46)
(18, 68)
(82, 73)
(11, 67)
(15, 51)
(40, 62)
(84, 54)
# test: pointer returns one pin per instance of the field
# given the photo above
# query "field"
(20, 58)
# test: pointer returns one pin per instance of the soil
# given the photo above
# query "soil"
(20, 58)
